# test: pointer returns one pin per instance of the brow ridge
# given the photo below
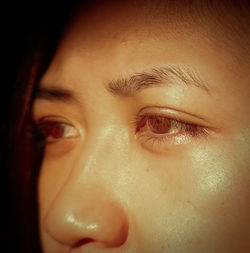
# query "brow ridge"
(54, 93)
(157, 76)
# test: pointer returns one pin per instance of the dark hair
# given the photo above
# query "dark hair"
(33, 37)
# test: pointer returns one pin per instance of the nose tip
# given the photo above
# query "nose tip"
(75, 221)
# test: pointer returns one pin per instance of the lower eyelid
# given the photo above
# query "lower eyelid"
(60, 148)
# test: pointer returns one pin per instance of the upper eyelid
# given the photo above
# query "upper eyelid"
(177, 120)
(175, 113)
(188, 127)
(56, 119)
(53, 118)
(179, 116)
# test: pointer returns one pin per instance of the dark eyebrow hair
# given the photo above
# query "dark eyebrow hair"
(54, 93)
(158, 76)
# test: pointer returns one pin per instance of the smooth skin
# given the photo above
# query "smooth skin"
(110, 183)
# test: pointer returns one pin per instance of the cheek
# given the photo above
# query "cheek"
(221, 172)
(200, 201)
(190, 201)
(54, 172)
(221, 193)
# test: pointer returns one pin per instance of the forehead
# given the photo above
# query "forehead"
(113, 30)
(111, 21)
(109, 40)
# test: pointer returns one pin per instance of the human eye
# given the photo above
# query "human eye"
(157, 128)
(52, 129)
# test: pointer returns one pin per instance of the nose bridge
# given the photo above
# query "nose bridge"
(103, 154)
(85, 206)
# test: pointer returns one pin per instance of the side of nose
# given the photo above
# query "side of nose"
(85, 215)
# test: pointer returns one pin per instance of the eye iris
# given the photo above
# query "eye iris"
(159, 125)
(54, 129)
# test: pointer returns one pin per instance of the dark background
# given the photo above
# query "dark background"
(16, 26)
(24, 25)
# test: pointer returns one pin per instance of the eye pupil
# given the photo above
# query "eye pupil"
(159, 125)
(54, 129)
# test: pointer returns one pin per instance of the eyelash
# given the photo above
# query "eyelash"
(177, 130)
(50, 131)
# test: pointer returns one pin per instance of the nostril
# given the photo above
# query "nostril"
(82, 242)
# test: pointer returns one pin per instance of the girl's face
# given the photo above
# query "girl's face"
(147, 130)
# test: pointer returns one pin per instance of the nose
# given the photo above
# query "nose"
(87, 210)
(86, 215)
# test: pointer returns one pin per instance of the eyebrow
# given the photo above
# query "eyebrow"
(54, 93)
(159, 76)
(171, 75)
